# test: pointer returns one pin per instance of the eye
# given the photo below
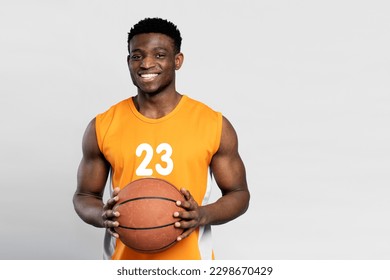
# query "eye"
(160, 55)
(135, 57)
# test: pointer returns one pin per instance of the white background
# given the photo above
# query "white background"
(305, 84)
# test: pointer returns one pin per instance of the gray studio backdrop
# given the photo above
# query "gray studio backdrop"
(305, 83)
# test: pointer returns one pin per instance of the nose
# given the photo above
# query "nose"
(147, 62)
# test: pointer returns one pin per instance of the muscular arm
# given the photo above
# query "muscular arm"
(229, 173)
(91, 180)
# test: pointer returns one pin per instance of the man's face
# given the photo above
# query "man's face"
(152, 62)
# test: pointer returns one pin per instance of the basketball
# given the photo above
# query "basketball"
(146, 222)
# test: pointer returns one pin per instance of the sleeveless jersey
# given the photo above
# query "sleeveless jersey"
(177, 147)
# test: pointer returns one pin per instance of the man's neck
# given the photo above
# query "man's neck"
(155, 106)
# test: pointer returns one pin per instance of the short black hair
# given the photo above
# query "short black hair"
(157, 25)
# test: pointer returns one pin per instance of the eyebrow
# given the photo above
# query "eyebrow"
(154, 49)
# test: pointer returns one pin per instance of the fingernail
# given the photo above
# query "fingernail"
(179, 238)
(178, 203)
(176, 214)
(177, 224)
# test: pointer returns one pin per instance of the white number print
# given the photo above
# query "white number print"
(165, 158)
(143, 169)
(166, 152)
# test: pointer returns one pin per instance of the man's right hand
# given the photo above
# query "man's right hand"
(109, 214)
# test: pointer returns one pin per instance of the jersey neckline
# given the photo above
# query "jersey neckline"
(150, 120)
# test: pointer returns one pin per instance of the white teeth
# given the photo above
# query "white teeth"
(148, 76)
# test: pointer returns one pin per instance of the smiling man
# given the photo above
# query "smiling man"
(163, 134)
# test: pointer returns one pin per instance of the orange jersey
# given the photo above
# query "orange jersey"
(177, 147)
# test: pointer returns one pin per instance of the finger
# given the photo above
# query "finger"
(116, 191)
(110, 224)
(109, 214)
(185, 234)
(186, 193)
(188, 205)
(111, 202)
(113, 233)
(186, 224)
(186, 215)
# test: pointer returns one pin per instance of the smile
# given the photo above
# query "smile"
(148, 76)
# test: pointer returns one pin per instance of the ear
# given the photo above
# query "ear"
(128, 59)
(179, 58)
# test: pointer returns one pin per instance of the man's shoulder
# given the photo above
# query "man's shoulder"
(116, 106)
(199, 104)
(200, 112)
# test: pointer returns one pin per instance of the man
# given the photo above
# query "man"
(161, 133)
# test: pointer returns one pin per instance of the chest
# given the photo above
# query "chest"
(158, 149)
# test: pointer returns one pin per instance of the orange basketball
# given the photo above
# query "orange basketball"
(146, 222)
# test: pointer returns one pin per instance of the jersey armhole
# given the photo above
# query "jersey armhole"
(102, 124)
(218, 131)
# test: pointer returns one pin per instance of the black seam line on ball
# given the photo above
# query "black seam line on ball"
(147, 197)
(157, 249)
(147, 228)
